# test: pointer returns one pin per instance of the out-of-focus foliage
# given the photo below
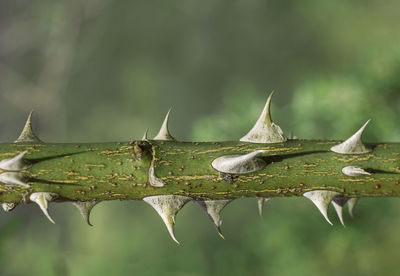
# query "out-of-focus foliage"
(107, 70)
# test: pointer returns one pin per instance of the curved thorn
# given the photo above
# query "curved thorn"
(339, 212)
(351, 203)
(264, 130)
(321, 199)
(167, 206)
(85, 208)
(42, 199)
(27, 135)
(145, 138)
(16, 163)
(354, 171)
(354, 144)
(14, 178)
(239, 164)
(153, 179)
(213, 209)
(164, 134)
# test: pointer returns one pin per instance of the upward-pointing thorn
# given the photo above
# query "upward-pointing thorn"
(167, 206)
(353, 145)
(164, 134)
(321, 199)
(27, 135)
(42, 199)
(264, 130)
(145, 138)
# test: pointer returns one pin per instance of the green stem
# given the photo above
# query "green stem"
(111, 171)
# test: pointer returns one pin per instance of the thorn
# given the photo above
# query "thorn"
(42, 199)
(27, 135)
(153, 179)
(321, 200)
(145, 138)
(213, 208)
(239, 164)
(14, 178)
(351, 203)
(84, 208)
(354, 171)
(260, 203)
(16, 163)
(167, 206)
(339, 212)
(7, 207)
(164, 134)
(354, 144)
(264, 130)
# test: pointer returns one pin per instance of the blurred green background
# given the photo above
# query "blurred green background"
(106, 70)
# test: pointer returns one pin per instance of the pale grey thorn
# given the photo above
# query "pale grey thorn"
(338, 203)
(260, 204)
(16, 163)
(27, 135)
(85, 208)
(14, 178)
(239, 164)
(153, 179)
(264, 130)
(321, 200)
(213, 209)
(7, 207)
(167, 206)
(354, 144)
(145, 138)
(339, 212)
(354, 171)
(351, 203)
(42, 199)
(164, 134)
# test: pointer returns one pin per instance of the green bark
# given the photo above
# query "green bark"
(111, 171)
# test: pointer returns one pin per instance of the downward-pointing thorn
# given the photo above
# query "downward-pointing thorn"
(42, 199)
(260, 204)
(339, 212)
(85, 208)
(351, 203)
(321, 199)
(213, 209)
(167, 206)
(27, 135)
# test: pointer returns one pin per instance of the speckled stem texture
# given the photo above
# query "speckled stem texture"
(120, 171)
